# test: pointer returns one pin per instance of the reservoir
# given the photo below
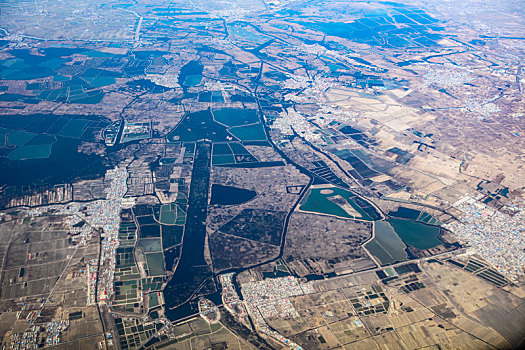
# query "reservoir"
(386, 245)
(416, 234)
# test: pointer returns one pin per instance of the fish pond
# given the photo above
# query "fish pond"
(414, 215)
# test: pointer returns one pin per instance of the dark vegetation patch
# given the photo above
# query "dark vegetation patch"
(64, 164)
(361, 170)
(170, 257)
(146, 220)
(171, 235)
(211, 96)
(257, 224)
(192, 271)
(234, 252)
(146, 85)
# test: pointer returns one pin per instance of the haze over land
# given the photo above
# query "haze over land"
(262, 174)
